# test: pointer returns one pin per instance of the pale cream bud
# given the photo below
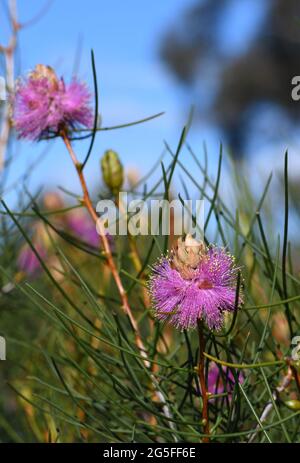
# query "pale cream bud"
(45, 72)
(187, 256)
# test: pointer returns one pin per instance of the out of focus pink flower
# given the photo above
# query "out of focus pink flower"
(43, 104)
(28, 262)
(84, 228)
(218, 383)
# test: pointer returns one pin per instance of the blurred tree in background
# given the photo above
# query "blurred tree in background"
(245, 66)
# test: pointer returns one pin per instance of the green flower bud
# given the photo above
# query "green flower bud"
(112, 171)
(293, 404)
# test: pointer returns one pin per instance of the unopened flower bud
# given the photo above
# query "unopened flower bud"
(187, 256)
(53, 201)
(112, 171)
(133, 176)
(293, 404)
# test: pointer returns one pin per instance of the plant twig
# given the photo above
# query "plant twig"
(8, 54)
(268, 408)
(244, 365)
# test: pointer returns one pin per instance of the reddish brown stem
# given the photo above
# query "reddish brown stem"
(201, 374)
(89, 206)
(125, 304)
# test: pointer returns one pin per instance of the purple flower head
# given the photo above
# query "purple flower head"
(219, 382)
(195, 282)
(44, 104)
(27, 260)
(84, 228)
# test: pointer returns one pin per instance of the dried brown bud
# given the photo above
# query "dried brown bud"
(188, 255)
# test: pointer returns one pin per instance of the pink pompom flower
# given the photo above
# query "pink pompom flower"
(44, 105)
(195, 283)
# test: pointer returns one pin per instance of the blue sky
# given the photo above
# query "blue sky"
(133, 82)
